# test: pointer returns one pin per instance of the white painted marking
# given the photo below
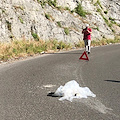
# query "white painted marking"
(49, 86)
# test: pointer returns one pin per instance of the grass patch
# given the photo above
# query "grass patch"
(106, 21)
(35, 36)
(62, 45)
(9, 26)
(98, 10)
(80, 11)
(106, 12)
(42, 3)
(47, 16)
(23, 48)
(96, 29)
(67, 8)
(105, 42)
(59, 24)
(19, 7)
(52, 3)
(66, 30)
(21, 20)
(98, 3)
(80, 44)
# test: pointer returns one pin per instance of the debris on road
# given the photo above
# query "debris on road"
(72, 90)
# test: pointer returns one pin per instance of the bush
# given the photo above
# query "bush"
(98, 3)
(96, 29)
(21, 20)
(106, 21)
(23, 48)
(67, 8)
(9, 26)
(47, 16)
(105, 12)
(61, 45)
(42, 3)
(80, 44)
(35, 36)
(51, 45)
(52, 3)
(59, 24)
(66, 30)
(98, 10)
(95, 43)
(59, 7)
(79, 10)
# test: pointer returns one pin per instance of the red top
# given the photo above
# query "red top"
(87, 35)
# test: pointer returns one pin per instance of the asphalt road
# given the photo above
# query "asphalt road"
(24, 86)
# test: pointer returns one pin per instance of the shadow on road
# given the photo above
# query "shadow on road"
(52, 94)
(112, 81)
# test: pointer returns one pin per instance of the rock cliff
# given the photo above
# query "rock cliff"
(58, 19)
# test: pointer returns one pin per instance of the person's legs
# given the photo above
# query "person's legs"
(89, 42)
(86, 45)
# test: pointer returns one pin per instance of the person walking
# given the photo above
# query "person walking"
(87, 37)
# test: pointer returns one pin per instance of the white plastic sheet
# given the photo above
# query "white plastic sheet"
(72, 90)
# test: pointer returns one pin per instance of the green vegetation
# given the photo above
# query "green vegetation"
(72, 11)
(59, 24)
(62, 45)
(19, 7)
(42, 3)
(79, 10)
(35, 36)
(52, 3)
(105, 12)
(47, 16)
(110, 25)
(21, 20)
(80, 44)
(106, 21)
(67, 8)
(3, 10)
(98, 10)
(98, 3)
(23, 48)
(112, 20)
(66, 30)
(105, 42)
(59, 8)
(96, 29)
(9, 25)
(109, 21)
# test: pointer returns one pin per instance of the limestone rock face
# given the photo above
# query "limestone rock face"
(23, 18)
(68, 3)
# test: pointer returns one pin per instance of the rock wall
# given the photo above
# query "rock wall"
(26, 18)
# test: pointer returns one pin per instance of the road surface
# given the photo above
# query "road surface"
(24, 86)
